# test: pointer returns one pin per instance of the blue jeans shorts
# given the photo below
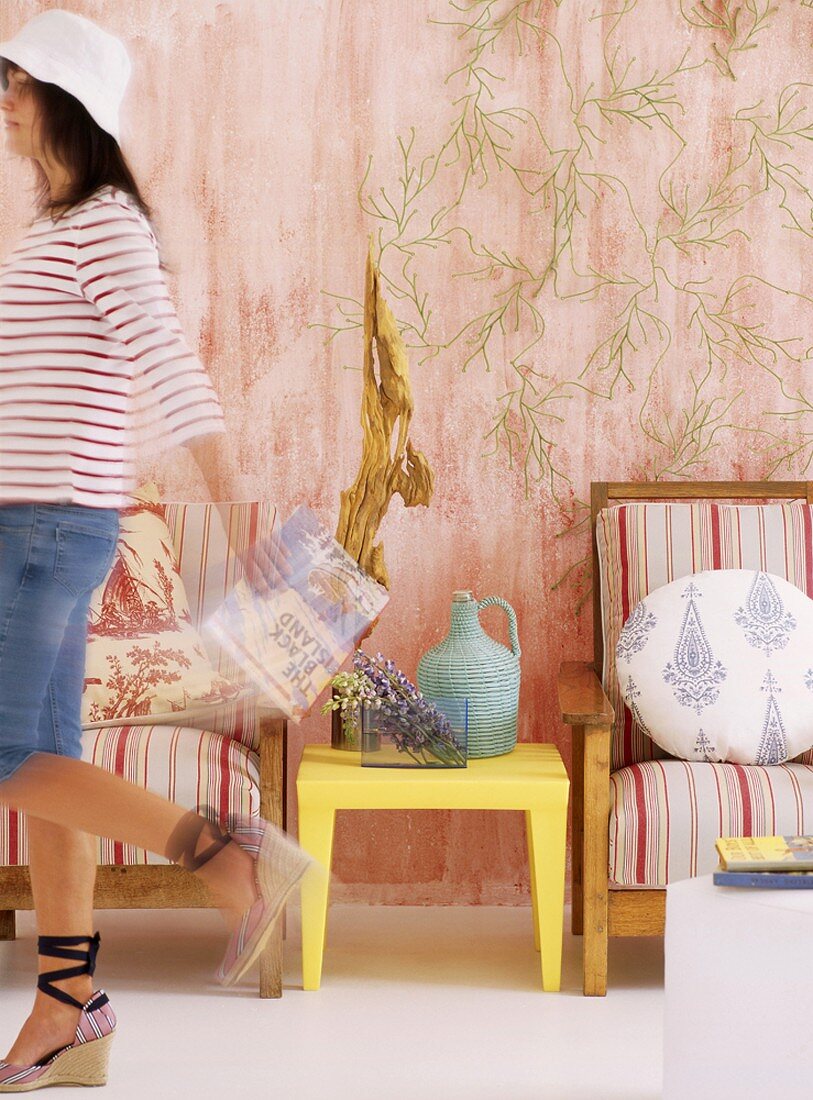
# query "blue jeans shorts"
(52, 556)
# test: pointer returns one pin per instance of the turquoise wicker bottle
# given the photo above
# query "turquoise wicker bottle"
(468, 664)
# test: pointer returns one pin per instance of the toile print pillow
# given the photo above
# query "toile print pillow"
(145, 660)
(718, 666)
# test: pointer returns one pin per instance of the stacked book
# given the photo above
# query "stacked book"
(768, 862)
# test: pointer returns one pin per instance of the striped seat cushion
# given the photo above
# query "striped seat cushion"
(193, 768)
(642, 546)
(665, 815)
(208, 540)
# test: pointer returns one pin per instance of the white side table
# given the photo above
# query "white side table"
(739, 993)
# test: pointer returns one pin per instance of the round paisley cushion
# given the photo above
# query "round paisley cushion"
(719, 666)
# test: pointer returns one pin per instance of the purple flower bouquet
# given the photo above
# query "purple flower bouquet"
(403, 728)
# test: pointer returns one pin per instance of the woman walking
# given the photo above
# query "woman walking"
(92, 361)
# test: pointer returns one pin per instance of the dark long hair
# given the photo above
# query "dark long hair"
(70, 136)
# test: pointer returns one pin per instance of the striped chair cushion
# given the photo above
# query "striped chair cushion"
(210, 566)
(193, 768)
(644, 546)
(665, 815)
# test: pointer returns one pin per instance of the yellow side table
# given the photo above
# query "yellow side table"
(531, 778)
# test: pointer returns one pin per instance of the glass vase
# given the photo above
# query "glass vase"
(390, 740)
(345, 729)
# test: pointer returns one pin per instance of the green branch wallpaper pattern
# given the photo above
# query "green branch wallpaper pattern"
(663, 182)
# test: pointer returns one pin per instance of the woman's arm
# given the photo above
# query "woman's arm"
(215, 459)
(173, 400)
(265, 564)
(118, 271)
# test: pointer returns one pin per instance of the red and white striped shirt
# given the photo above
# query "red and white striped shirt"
(93, 363)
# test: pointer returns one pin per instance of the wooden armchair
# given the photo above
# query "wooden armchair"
(612, 893)
(239, 761)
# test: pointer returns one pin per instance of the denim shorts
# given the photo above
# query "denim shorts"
(52, 556)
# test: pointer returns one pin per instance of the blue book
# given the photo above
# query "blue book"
(766, 880)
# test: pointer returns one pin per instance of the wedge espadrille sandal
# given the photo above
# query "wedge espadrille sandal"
(84, 1061)
(279, 864)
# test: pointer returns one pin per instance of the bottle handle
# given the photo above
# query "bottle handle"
(496, 601)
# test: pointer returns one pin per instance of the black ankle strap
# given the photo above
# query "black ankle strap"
(64, 947)
(183, 839)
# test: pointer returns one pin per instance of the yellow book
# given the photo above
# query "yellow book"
(766, 853)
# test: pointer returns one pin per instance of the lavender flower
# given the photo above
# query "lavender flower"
(415, 725)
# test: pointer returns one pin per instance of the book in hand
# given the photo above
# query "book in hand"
(765, 853)
(766, 880)
(292, 640)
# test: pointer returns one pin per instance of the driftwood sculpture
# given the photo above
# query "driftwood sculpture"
(389, 462)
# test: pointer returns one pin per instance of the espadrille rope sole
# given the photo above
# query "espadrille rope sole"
(85, 1064)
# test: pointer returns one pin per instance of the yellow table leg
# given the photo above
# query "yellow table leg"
(534, 901)
(547, 831)
(316, 837)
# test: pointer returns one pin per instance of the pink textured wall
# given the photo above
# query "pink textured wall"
(610, 245)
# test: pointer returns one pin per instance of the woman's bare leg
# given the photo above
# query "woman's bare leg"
(78, 795)
(68, 802)
(62, 862)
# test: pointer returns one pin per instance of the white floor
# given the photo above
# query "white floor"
(415, 1004)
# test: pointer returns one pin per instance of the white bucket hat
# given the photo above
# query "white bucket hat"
(74, 53)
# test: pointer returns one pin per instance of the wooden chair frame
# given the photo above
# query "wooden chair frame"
(167, 886)
(599, 912)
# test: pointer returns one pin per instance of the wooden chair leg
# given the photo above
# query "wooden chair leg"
(271, 966)
(273, 776)
(285, 809)
(8, 924)
(596, 858)
(577, 830)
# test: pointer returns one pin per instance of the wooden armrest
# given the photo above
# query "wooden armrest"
(581, 697)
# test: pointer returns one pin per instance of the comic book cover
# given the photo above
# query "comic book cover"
(291, 641)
